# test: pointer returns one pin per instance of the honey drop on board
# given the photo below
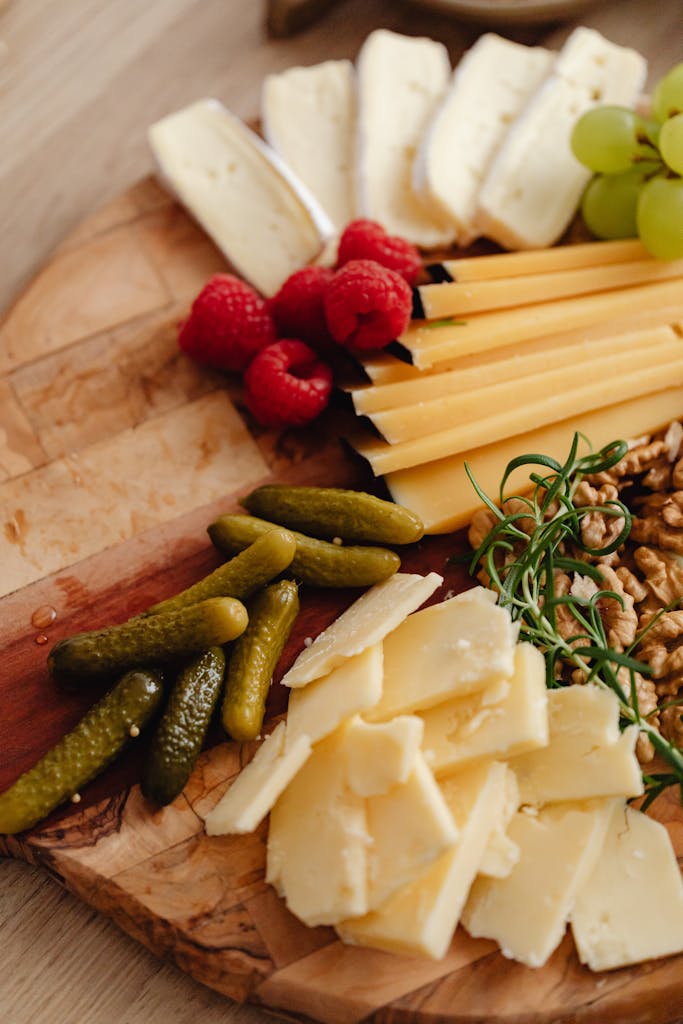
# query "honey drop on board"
(43, 616)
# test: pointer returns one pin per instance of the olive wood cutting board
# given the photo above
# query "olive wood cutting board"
(115, 454)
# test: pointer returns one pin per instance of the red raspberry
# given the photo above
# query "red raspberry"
(367, 306)
(287, 385)
(298, 306)
(367, 240)
(228, 324)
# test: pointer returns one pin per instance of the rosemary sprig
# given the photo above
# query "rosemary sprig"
(521, 565)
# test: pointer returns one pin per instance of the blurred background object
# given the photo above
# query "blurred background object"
(285, 17)
(509, 12)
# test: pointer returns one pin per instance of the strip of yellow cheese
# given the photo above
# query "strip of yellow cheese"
(465, 405)
(596, 393)
(544, 261)
(442, 495)
(482, 331)
(462, 298)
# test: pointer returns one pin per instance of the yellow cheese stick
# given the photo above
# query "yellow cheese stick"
(442, 495)
(464, 407)
(514, 362)
(596, 393)
(483, 331)
(461, 299)
(544, 261)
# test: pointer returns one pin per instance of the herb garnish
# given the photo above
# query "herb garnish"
(448, 321)
(521, 566)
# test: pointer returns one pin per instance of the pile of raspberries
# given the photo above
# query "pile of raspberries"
(362, 305)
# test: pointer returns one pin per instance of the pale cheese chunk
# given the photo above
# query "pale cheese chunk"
(630, 908)
(527, 912)
(257, 787)
(586, 755)
(366, 622)
(309, 118)
(507, 718)
(400, 81)
(501, 853)
(318, 840)
(450, 649)
(409, 827)
(380, 755)
(490, 86)
(257, 212)
(420, 918)
(318, 709)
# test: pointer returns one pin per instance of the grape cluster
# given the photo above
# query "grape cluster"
(638, 163)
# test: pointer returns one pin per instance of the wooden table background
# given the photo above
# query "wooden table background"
(80, 80)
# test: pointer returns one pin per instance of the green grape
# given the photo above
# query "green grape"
(609, 204)
(610, 140)
(667, 99)
(660, 217)
(671, 143)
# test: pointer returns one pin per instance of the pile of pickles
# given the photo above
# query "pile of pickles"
(218, 641)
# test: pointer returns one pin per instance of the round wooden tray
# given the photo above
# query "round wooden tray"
(115, 454)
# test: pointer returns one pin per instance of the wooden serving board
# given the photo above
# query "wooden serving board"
(115, 454)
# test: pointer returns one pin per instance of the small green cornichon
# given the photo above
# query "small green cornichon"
(242, 576)
(316, 562)
(150, 639)
(254, 657)
(178, 739)
(329, 512)
(83, 753)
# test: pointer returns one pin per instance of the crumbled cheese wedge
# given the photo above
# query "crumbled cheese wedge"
(382, 755)
(501, 853)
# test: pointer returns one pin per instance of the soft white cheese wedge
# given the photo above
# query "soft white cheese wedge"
(258, 213)
(400, 81)
(308, 116)
(534, 184)
(489, 88)
(631, 906)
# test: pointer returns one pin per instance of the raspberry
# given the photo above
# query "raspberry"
(287, 385)
(228, 324)
(367, 240)
(298, 307)
(367, 306)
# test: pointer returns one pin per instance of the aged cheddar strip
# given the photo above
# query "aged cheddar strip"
(545, 261)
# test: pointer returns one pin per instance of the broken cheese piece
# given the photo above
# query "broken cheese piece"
(380, 756)
(501, 853)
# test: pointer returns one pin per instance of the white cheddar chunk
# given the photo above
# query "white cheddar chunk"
(255, 790)
(535, 182)
(422, 917)
(586, 756)
(263, 219)
(380, 755)
(309, 118)
(501, 853)
(631, 906)
(318, 709)
(527, 912)
(498, 722)
(400, 81)
(366, 622)
(489, 88)
(317, 843)
(409, 827)
(450, 649)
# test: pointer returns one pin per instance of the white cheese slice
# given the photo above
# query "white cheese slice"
(534, 184)
(448, 650)
(409, 827)
(317, 842)
(489, 88)
(400, 81)
(257, 212)
(257, 787)
(527, 912)
(501, 853)
(318, 709)
(631, 906)
(586, 756)
(309, 118)
(381, 755)
(366, 622)
(421, 918)
(505, 719)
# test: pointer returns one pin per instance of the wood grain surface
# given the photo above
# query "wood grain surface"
(79, 82)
